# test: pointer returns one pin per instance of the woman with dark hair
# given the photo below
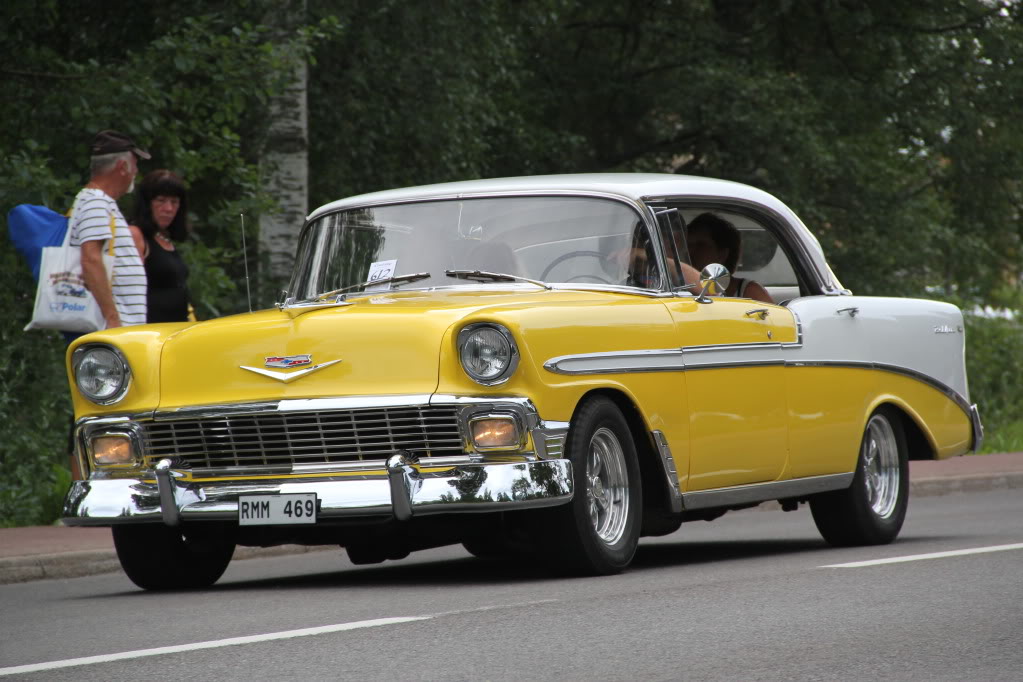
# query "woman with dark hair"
(712, 239)
(160, 220)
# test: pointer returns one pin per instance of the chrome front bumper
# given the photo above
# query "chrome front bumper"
(401, 493)
(470, 481)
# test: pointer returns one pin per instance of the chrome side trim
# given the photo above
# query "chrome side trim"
(947, 390)
(761, 492)
(664, 360)
(756, 345)
(670, 471)
(679, 360)
(656, 359)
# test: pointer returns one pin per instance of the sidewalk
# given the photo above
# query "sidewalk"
(46, 552)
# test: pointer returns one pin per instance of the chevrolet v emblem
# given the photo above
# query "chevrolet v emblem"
(287, 377)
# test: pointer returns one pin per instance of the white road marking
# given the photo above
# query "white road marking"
(932, 555)
(252, 639)
(213, 644)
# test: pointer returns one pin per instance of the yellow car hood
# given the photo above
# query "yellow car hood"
(384, 344)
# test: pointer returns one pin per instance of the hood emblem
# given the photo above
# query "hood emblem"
(290, 362)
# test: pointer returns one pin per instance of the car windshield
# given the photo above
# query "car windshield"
(567, 240)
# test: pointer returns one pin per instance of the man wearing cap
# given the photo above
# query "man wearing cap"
(96, 218)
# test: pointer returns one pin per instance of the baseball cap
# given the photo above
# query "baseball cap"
(111, 142)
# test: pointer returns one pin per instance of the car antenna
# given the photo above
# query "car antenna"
(245, 260)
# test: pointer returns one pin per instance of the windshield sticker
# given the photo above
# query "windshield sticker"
(473, 232)
(382, 269)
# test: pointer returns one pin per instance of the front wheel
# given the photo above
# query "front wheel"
(157, 557)
(598, 532)
(872, 509)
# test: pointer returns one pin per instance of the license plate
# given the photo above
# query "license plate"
(265, 510)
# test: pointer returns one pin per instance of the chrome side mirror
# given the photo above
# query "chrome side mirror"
(714, 281)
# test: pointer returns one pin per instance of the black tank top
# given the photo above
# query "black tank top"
(168, 285)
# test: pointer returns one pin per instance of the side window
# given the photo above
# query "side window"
(763, 260)
(750, 252)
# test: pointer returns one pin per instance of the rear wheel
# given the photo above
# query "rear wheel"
(598, 532)
(158, 557)
(872, 509)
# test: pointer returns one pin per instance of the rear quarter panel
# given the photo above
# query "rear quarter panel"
(857, 353)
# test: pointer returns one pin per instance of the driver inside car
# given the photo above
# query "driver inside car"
(712, 239)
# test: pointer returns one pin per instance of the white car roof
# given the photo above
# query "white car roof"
(634, 187)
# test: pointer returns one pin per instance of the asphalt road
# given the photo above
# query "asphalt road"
(751, 596)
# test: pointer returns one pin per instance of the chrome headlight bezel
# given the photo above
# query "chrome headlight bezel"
(508, 343)
(116, 362)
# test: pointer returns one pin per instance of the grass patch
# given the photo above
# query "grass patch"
(1005, 438)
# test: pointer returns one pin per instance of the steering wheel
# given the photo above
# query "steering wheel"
(575, 254)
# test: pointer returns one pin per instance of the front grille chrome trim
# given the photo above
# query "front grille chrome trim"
(205, 439)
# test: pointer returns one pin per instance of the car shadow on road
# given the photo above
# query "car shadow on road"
(471, 571)
(702, 552)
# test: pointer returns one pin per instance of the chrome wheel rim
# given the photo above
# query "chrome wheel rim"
(607, 486)
(881, 466)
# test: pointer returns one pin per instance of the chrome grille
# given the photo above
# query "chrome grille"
(297, 438)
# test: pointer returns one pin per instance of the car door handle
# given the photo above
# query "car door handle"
(762, 313)
(852, 311)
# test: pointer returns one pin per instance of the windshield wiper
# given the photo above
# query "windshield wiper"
(399, 279)
(484, 276)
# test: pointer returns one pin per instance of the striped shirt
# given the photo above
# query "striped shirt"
(90, 221)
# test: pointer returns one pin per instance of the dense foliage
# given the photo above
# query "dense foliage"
(890, 126)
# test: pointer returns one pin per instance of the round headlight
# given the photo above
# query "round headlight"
(488, 353)
(101, 373)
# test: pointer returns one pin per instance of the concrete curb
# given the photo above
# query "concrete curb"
(21, 569)
(970, 483)
(79, 564)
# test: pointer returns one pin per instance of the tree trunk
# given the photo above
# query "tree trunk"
(285, 154)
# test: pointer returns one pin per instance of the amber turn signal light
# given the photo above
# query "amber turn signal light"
(490, 433)
(108, 450)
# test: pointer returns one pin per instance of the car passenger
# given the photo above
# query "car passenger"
(712, 239)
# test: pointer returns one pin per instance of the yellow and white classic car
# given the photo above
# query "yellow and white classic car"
(522, 365)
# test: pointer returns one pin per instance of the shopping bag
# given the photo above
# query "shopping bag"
(31, 228)
(62, 301)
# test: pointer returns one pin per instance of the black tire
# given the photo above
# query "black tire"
(872, 509)
(157, 557)
(598, 531)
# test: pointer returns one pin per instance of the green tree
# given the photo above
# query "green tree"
(191, 84)
(891, 127)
